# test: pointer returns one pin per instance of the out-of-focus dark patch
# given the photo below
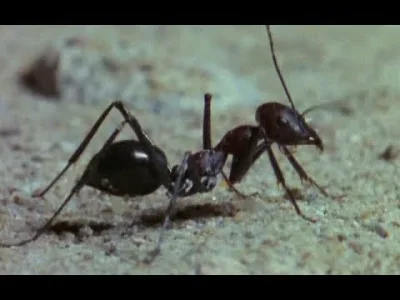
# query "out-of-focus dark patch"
(9, 131)
(390, 153)
(40, 78)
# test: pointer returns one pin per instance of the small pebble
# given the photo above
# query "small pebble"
(379, 230)
(87, 255)
(85, 231)
(110, 249)
(356, 246)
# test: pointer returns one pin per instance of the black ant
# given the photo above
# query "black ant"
(138, 167)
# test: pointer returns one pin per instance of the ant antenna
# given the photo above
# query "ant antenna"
(315, 107)
(271, 45)
(335, 104)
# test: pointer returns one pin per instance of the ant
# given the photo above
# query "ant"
(139, 167)
(277, 123)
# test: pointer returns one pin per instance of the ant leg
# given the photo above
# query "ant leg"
(163, 173)
(236, 176)
(78, 152)
(128, 117)
(207, 122)
(80, 183)
(241, 164)
(232, 187)
(134, 124)
(302, 173)
(240, 175)
(42, 229)
(281, 180)
(171, 205)
(207, 143)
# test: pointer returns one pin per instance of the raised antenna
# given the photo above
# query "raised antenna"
(271, 45)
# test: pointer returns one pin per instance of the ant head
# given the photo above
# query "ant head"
(284, 125)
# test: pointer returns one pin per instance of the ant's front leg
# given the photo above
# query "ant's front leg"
(303, 174)
(241, 143)
(281, 180)
(240, 166)
(175, 189)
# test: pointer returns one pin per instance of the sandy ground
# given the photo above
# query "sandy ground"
(215, 233)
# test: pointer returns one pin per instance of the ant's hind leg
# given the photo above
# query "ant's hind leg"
(77, 187)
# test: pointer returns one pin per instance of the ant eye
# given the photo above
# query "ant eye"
(281, 122)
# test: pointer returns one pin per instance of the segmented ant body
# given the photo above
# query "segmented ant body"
(139, 167)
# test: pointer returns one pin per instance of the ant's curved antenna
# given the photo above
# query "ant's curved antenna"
(315, 107)
(335, 104)
(271, 45)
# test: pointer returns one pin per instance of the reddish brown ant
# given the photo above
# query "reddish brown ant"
(277, 123)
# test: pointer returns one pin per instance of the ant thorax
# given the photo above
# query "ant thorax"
(188, 187)
(200, 173)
